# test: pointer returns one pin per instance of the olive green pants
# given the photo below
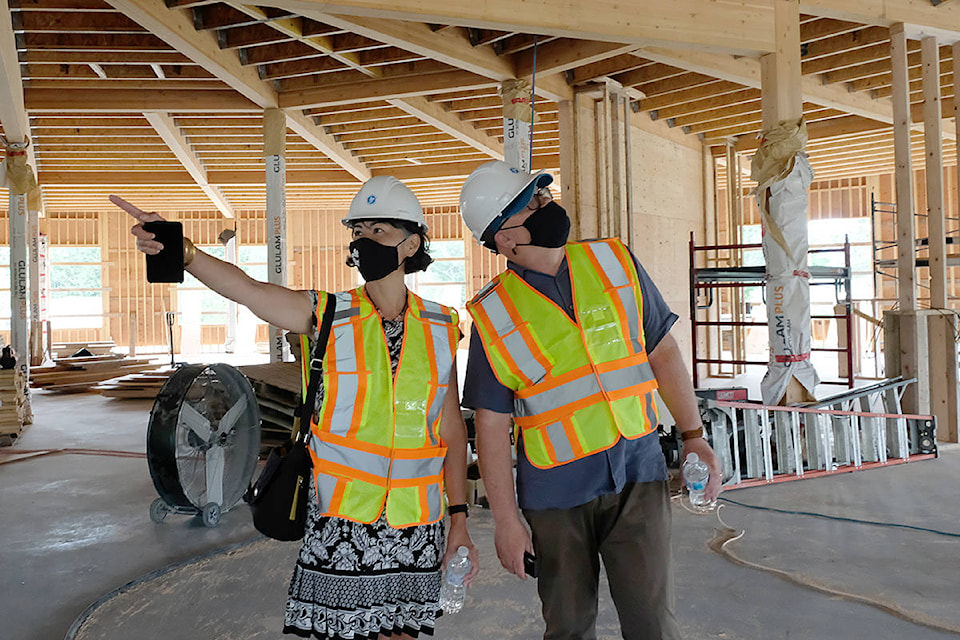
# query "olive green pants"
(630, 531)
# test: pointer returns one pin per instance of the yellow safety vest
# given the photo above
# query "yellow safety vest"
(376, 441)
(578, 385)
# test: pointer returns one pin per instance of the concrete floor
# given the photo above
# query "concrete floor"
(75, 528)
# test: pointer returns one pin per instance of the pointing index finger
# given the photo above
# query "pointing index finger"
(134, 211)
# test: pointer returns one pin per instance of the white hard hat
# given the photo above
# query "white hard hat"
(494, 192)
(385, 197)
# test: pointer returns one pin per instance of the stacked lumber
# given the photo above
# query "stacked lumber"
(79, 374)
(12, 409)
(67, 349)
(277, 386)
(136, 386)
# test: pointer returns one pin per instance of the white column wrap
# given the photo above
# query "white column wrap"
(784, 175)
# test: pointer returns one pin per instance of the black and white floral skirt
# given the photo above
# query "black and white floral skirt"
(355, 580)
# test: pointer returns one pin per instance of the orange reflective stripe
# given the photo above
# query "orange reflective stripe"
(485, 323)
(553, 382)
(559, 413)
(418, 454)
(354, 443)
(634, 390)
(335, 469)
(622, 363)
(337, 498)
(551, 452)
(572, 437)
(424, 501)
(415, 482)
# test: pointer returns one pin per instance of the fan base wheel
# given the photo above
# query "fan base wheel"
(158, 510)
(211, 514)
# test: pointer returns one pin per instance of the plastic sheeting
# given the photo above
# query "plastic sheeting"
(17, 175)
(517, 98)
(783, 174)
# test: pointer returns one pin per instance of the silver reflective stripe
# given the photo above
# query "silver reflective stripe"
(326, 487)
(442, 349)
(354, 459)
(433, 501)
(573, 391)
(348, 381)
(628, 298)
(558, 439)
(626, 377)
(514, 342)
(517, 348)
(410, 469)
(608, 261)
(436, 315)
(651, 409)
(497, 312)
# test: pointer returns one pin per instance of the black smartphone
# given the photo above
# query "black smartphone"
(531, 564)
(166, 266)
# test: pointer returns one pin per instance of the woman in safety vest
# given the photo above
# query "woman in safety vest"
(387, 436)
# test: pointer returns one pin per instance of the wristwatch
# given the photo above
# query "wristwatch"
(458, 508)
(691, 434)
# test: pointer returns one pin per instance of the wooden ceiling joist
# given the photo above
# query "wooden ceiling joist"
(380, 89)
(176, 29)
(608, 67)
(449, 123)
(747, 72)
(449, 47)
(167, 129)
(563, 54)
(748, 29)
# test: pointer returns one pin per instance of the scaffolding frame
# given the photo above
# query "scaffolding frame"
(707, 279)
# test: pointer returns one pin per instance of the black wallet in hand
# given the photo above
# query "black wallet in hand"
(166, 266)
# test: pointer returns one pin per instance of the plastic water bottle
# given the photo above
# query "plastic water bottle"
(695, 475)
(453, 592)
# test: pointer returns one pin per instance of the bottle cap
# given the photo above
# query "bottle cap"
(692, 458)
(463, 552)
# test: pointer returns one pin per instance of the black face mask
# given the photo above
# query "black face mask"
(549, 226)
(374, 260)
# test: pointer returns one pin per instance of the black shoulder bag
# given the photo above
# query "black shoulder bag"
(278, 499)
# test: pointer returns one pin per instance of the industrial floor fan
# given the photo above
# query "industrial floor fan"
(202, 441)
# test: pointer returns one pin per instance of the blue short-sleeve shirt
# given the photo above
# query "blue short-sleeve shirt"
(578, 482)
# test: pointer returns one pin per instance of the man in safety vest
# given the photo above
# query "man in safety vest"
(569, 344)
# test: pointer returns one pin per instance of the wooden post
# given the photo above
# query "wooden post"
(274, 153)
(909, 343)
(933, 143)
(132, 324)
(956, 109)
(906, 229)
(569, 163)
(517, 98)
(780, 71)
(782, 101)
